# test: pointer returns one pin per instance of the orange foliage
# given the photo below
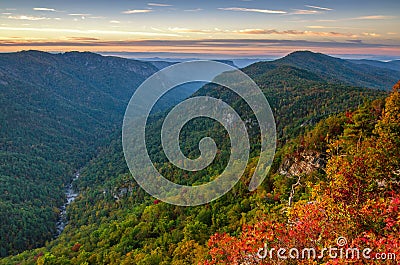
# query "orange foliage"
(359, 201)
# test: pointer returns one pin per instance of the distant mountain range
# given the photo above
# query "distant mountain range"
(335, 70)
(393, 65)
(243, 62)
(365, 73)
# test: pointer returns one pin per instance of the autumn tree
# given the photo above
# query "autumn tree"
(359, 200)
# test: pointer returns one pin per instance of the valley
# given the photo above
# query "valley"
(70, 195)
(69, 114)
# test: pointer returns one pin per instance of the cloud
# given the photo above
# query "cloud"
(44, 9)
(376, 17)
(254, 31)
(391, 33)
(355, 41)
(31, 18)
(305, 12)
(206, 43)
(82, 39)
(157, 4)
(79, 14)
(186, 30)
(157, 29)
(22, 38)
(137, 11)
(115, 21)
(193, 10)
(319, 27)
(295, 32)
(263, 32)
(242, 9)
(211, 48)
(371, 34)
(320, 8)
(86, 32)
(325, 27)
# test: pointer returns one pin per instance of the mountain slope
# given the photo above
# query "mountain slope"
(113, 221)
(57, 109)
(297, 97)
(393, 65)
(337, 70)
(71, 105)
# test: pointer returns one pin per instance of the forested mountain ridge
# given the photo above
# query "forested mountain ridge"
(297, 96)
(57, 109)
(115, 222)
(99, 79)
(336, 70)
(393, 65)
(111, 205)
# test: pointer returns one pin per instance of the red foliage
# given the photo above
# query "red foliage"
(310, 226)
(349, 116)
(359, 200)
(76, 247)
(38, 255)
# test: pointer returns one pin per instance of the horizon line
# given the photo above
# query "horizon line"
(152, 55)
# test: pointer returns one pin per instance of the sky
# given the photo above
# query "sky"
(203, 28)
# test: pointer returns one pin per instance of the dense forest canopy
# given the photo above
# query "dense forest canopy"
(337, 154)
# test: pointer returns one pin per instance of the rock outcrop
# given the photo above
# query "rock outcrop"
(304, 162)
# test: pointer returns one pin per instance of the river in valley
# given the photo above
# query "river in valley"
(70, 195)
